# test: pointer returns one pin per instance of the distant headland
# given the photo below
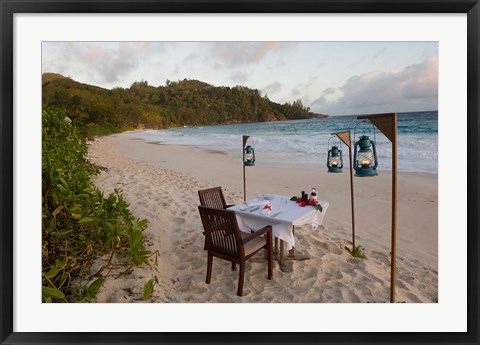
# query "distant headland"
(176, 104)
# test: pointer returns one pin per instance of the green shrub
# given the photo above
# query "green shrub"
(91, 129)
(79, 224)
(356, 252)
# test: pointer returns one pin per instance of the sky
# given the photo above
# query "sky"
(334, 78)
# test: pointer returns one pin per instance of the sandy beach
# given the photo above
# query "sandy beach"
(160, 182)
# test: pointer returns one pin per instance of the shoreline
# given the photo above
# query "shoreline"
(270, 163)
(161, 181)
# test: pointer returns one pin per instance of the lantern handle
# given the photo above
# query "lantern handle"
(333, 137)
(248, 140)
(355, 129)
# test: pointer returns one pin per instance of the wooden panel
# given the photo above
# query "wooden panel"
(345, 137)
(386, 123)
(245, 138)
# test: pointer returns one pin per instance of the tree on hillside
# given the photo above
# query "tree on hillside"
(178, 103)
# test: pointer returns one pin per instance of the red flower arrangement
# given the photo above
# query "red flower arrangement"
(309, 202)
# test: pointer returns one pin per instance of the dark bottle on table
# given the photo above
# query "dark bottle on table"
(303, 195)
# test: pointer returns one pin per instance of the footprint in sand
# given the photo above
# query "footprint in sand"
(178, 220)
(182, 266)
(413, 298)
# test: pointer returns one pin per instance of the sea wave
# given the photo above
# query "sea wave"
(306, 141)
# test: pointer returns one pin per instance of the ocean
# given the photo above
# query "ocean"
(306, 142)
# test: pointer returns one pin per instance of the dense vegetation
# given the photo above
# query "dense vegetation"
(182, 103)
(79, 223)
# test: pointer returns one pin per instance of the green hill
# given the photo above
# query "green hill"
(178, 103)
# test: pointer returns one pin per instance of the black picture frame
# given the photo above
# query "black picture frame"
(10, 7)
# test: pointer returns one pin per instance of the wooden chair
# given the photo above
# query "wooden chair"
(213, 197)
(225, 240)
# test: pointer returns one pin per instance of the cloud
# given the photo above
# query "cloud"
(329, 91)
(238, 54)
(318, 102)
(191, 58)
(295, 92)
(105, 62)
(110, 64)
(239, 77)
(272, 88)
(413, 88)
(322, 100)
(304, 89)
(422, 80)
(380, 53)
(311, 81)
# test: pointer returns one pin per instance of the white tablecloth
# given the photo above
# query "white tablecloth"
(283, 222)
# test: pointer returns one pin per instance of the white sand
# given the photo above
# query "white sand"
(160, 182)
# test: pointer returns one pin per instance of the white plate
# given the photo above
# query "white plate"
(248, 206)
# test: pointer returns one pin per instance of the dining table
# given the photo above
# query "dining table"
(283, 214)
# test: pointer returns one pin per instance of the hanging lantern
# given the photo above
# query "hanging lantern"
(334, 160)
(365, 157)
(248, 156)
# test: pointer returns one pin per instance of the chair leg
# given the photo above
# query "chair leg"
(270, 255)
(240, 278)
(209, 268)
(233, 266)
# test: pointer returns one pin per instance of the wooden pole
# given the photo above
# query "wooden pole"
(351, 197)
(346, 138)
(244, 187)
(387, 123)
(394, 210)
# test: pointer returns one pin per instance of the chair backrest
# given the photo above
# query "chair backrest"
(212, 197)
(221, 231)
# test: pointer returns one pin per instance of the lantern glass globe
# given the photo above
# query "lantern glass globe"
(334, 161)
(365, 159)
